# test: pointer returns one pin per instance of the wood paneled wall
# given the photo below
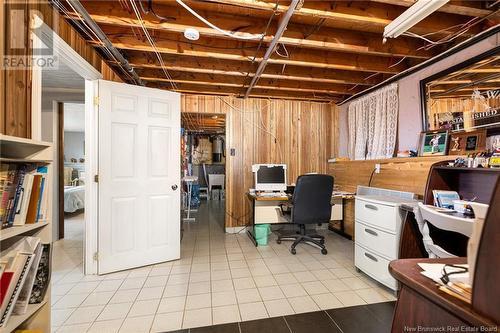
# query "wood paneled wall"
(403, 174)
(15, 117)
(302, 135)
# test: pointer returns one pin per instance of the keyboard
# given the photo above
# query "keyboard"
(272, 194)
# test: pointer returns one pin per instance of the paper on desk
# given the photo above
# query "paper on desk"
(342, 193)
(435, 272)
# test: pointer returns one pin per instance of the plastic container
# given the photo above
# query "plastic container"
(261, 233)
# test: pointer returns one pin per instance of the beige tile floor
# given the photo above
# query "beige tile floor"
(220, 278)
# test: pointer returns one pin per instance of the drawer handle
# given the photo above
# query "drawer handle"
(372, 207)
(369, 256)
(371, 232)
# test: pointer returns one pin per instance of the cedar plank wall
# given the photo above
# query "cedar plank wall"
(402, 174)
(15, 118)
(306, 133)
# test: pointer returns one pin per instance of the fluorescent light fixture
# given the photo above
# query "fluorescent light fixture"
(416, 13)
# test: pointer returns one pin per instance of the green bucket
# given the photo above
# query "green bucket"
(262, 232)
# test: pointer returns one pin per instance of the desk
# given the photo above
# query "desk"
(267, 210)
(342, 220)
(421, 304)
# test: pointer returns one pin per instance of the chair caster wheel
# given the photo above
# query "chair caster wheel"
(278, 241)
(293, 251)
(324, 251)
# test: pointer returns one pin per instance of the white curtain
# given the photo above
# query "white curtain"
(373, 121)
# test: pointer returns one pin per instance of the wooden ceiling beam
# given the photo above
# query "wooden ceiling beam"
(234, 91)
(230, 50)
(328, 39)
(471, 8)
(141, 60)
(352, 15)
(227, 81)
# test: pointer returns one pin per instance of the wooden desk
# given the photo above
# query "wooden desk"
(421, 304)
(342, 222)
(410, 242)
(479, 183)
(265, 210)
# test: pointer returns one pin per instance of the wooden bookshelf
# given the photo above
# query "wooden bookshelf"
(20, 230)
(16, 321)
(37, 153)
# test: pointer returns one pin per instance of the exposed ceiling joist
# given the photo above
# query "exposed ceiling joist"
(236, 68)
(472, 8)
(330, 50)
(264, 83)
(229, 50)
(328, 39)
(257, 92)
(355, 15)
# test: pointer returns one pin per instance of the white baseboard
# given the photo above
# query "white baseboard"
(235, 230)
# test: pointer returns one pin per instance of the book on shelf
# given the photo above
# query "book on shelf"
(26, 262)
(42, 278)
(25, 192)
(8, 174)
(31, 245)
(19, 264)
(444, 199)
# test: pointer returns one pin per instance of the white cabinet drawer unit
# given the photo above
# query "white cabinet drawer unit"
(377, 231)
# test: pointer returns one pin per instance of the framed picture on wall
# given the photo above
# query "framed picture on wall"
(434, 143)
(463, 143)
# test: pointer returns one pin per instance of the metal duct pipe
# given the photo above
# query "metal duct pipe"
(107, 43)
(281, 29)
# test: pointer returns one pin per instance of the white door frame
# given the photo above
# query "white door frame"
(72, 59)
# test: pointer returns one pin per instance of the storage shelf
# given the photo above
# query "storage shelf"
(21, 229)
(16, 320)
(21, 148)
(22, 160)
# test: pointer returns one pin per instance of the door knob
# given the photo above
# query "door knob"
(174, 187)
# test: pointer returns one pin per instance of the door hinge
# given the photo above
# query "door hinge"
(96, 256)
(96, 178)
(96, 100)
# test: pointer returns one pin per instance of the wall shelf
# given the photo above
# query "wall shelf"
(17, 320)
(21, 229)
(14, 147)
(20, 160)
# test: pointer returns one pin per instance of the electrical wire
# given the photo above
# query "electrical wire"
(261, 41)
(256, 125)
(286, 55)
(89, 32)
(400, 61)
(463, 29)
(213, 26)
(371, 177)
(153, 45)
(152, 11)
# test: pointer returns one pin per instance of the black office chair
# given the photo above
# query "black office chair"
(310, 204)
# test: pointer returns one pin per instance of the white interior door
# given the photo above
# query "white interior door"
(139, 176)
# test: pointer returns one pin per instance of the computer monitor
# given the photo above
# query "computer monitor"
(270, 177)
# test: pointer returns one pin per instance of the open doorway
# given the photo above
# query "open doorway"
(72, 191)
(63, 123)
(204, 157)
